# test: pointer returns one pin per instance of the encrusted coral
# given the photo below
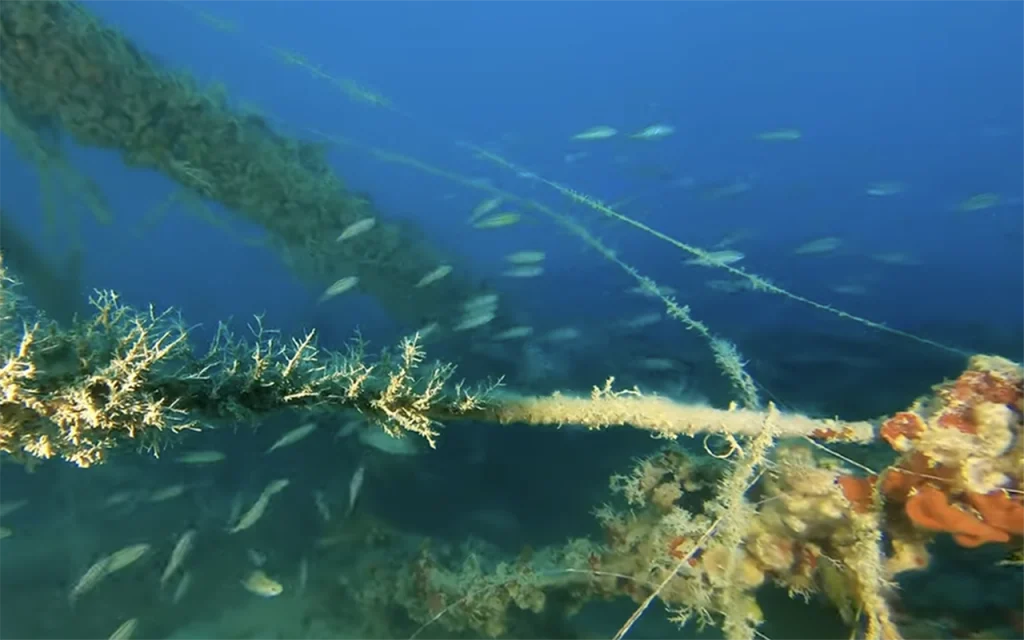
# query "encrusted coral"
(962, 457)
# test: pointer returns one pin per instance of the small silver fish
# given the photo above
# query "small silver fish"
(321, 505)
(654, 132)
(7, 508)
(339, 287)
(126, 556)
(779, 135)
(293, 436)
(258, 508)
(379, 439)
(513, 333)
(525, 257)
(356, 228)
(126, 630)
(106, 566)
(200, 457)
(600, 132)
(524, 271)
(485, 207)
(303, 575)
(178, 555)
(434, 275)
(355, 485)
(182, 588)
(474, 320)
(167, 493)
(498, 220)
(717, 258)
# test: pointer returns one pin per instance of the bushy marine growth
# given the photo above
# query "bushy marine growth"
(129, 377)
(126, 375)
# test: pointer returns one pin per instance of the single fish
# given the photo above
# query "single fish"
(717, 258)
(641, 321)
(167, 493)
(979, 202)
(600, 132)
(356, 228)
(126, 629)
(474, 320)
(565, 334)
(427, 330)
(488, 300)
(200, 457)
(656, 364)
(498, 220)
(648, 292)
(293, 436)
(348, 429)
(321, 505)
(92, 577)
(882, 189)
(355, 485)
(654, 132)
(379, 439)
(729, 286)
(821, 245)
(126, 556)
(339, 287)
(525, 257)
(182, 588)
(485, 207)
(120, 497)
(303, 575)
(733, 238)
(259, 507)
(524, 271)
(434, 275)
(5, 532)
(513, 333)
(779, 135)
(729, 190)
(261, 584)
(178, 555)
(7, 508)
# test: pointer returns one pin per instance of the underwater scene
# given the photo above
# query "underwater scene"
(511, 320)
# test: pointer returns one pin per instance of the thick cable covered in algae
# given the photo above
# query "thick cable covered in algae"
(60, 63)
(125, 377)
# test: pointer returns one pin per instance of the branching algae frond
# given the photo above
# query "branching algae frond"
(128, 375)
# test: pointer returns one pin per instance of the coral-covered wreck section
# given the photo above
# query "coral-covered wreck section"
(961, 463)
(813, 523)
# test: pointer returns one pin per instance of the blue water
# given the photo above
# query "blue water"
(928, 95)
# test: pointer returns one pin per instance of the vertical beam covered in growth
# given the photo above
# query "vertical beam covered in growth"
(59, 63)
